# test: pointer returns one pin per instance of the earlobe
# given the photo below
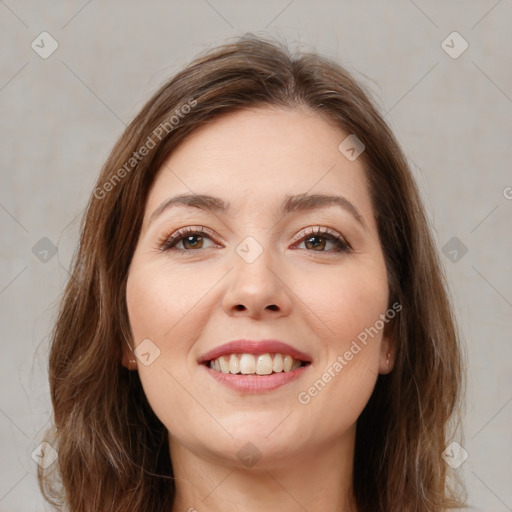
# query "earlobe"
(128, 359)
(129, 363)
(387, 357)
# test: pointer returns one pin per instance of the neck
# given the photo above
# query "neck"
(319, 480)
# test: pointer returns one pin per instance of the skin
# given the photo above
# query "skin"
(188, 301)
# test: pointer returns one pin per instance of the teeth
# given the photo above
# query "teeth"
(248, 364)
(264, 365)
(296, 364)
(278, 363)
(234, 364)
(224, 365)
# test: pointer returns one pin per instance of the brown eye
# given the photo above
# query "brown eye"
(315, 242)
(192, 242)
(187, 239)
(323, 240)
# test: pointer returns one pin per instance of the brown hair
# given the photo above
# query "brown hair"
(113, 450)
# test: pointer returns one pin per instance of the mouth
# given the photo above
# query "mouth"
(255, 366)
(250, 364)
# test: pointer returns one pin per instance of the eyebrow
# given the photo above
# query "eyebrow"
(295, 203)
(202, 201)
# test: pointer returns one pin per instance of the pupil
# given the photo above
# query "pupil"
(320, 243)
(190, 241)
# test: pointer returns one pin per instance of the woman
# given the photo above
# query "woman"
(256, 317)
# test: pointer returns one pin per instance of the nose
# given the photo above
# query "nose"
(257, 290)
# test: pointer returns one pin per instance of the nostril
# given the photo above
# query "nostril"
(273, 307)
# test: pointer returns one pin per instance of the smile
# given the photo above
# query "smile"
(253, 364)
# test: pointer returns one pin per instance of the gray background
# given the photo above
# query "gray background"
(60, 116)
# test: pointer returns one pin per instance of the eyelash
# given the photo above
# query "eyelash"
(329, 234)
(168, 243)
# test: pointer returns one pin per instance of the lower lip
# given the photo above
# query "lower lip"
(256, 383)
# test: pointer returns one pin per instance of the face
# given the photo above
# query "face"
(282, 269)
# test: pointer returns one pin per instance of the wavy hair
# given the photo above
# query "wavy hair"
(113, 450)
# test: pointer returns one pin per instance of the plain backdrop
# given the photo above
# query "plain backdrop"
(450, 107)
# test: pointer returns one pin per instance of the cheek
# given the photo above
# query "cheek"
(349, 304)
(159, 299)
(161, 307)
(169, 305)
(346, 300)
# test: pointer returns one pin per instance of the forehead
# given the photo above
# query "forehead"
(256, 157)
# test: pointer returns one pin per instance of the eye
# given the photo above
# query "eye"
(318, 239)
(190, 238)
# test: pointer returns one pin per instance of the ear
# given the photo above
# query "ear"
(128, 359)
(387, 355)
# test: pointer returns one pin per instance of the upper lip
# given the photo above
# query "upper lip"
(254, 347)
